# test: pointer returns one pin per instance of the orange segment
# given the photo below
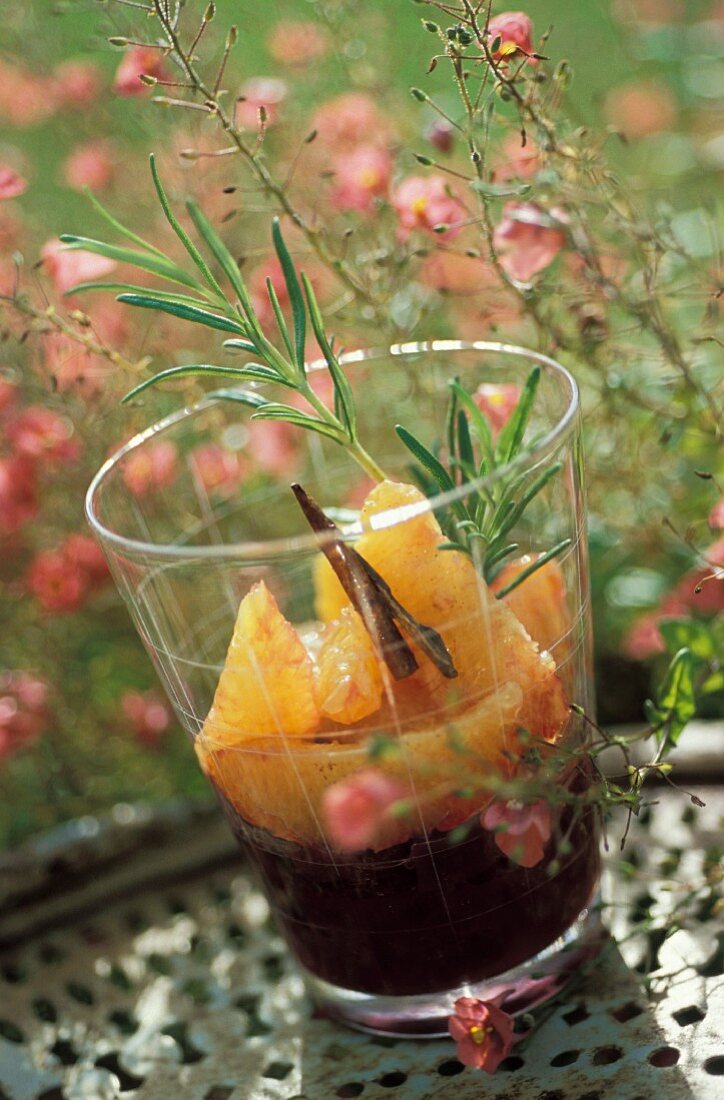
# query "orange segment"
(349, 683)
(539, 602)
(267, 683)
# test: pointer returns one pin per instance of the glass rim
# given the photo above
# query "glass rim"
(285, 546)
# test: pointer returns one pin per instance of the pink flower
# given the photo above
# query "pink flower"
(526, 241)
(77, 83)
(39, 433)
(518, 161)
(716, 516)
(483, 1032)
(67, 269)
(297, 43)
(23, 710)
(702, 588)
(641, 108)
(153, 466)
(82, 552)
(441, 134)
(72, 367)
(521, 831)
(356, 809)
(57, 583)
(8, 395)
(25, 98)
(218, 470)
(515, 30)
(11, 183)
(643, 639)
(361, 176)
(349, 120)
(497, 401)
(18, 493)
(423, 202)
(148, 716)
(271, 447)
(138, 61)
(260, 91)
(89, 165)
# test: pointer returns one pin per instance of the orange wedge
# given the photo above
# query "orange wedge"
(349, 682)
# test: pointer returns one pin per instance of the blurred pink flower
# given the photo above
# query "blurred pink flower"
(361, 176)
(297, 43)
(643, 639)
(68, 269)
(441, 134)
(77, 83)
(148, 716)
(11, 183)
(702, 588)
(26, 98)
(515, 30)
(138, 61)
(422, 202)
(153, 466)
(716, 516)
(497, 400)
(641, 108)
(349, 120)
(521, 830)
(483, 1032)
(89, 165)
(517, 161)
(18, 493)
(525, 240)
(23, 710)
(355, 809)
(271, 447)
(11, 229)
(84, 553)
(260, 91)
(39, 433)
(71, 367)
(8, 395)
(58, 584)
(218, 470)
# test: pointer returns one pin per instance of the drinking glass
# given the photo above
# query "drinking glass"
(418, 838)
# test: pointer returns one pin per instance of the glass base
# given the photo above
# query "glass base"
(426, 1015)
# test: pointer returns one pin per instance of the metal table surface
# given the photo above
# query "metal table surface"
(137, 960)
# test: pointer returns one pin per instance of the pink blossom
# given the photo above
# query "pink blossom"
(641, 108)
(83, 552)
(148, 716)
(361, 176)
(518, 161)
(515, 30)
(423, 202)
(356, 809)
(77, 83)
(89, 165)
(57, 583)
(526, 241)
(71, 366)
(150, 467)
(138, 61)
(69, 268)
(441, 134)
(702, 589)
(23, 710)
(497, 401)
(521, 831)
(8, 395)
(271, 447)
(12, 183)
(218, 470)
(39, 433)
(349, 120)
(643, 639)
(260, 91)
(716, 516)
(297, 43)
(483, 1032)
(18, 493)
(26, 98)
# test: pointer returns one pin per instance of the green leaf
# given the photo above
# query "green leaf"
(511, 434)
(281, 323)
(244, 397)
(241, 345)
(426, 459)
(299, 314)
(119, 227)
(541, 561)
(713, 683)
(133, 288)
(675, 698)
(496, 553)
(465, 446)
(199, 369)
(690, 634)
(509, 513)
(155, 264)
(344, 398)
(478, 422)
(181, 233)
(223, 257)
(273, 411)
(179, 309)
(500, 190)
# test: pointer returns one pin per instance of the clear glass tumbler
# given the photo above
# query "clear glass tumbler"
(421, 834)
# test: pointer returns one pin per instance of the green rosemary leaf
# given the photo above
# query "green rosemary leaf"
(454, 546)
(260, 372)
(451, 426)
(244, 397)
(512, 511)
(181, 233)
(496, 553)
(157, 265)
(133, 288)
(217, 247)
(180, 309)
(273, 411)
(465, 445)
(279, 317)
(299, 314)
(199, 369)
(426, 459)
(344, 398)
(478, 422)
(538, 564)
(511, 434)
(241, 345)
(123, 230)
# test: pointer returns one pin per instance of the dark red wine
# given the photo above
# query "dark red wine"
(424, 916)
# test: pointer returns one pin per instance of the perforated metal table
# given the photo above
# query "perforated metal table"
(137, 960)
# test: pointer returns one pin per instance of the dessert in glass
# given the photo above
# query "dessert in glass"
(384, 677)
